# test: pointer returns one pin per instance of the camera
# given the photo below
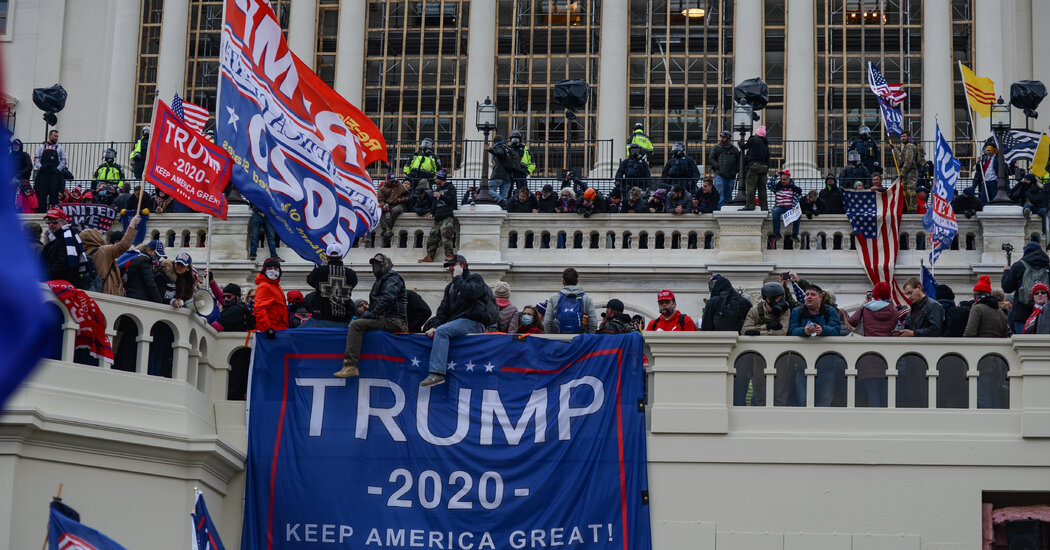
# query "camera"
(785, 276)
(1008, 247)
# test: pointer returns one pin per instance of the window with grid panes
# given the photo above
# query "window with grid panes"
(202, 49)
(146, 70)
(327, 40)
(415, 75)
(850, 33)
(962, 50)
(680, 74)
(541, 42)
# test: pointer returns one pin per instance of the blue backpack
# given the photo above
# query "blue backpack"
(569, 314)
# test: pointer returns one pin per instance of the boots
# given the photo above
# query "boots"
(427, 260)
(348, 370)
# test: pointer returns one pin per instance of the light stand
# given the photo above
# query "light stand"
(485, 120)
(1000, 122)
(743, 122)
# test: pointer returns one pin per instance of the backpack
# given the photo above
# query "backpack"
(1028, 280)
(89, 279)
(732, 312)
(491, 310)
(569, 314)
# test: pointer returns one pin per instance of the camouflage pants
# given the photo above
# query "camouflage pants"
(444, 234)
(910, 200)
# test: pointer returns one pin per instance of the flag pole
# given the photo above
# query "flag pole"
(973, 128)
(47, 533)
(207, 258)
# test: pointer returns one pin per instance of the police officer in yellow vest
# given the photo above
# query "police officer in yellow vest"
(639, 138)
(423, 165)
(138, 155)
(109, 172)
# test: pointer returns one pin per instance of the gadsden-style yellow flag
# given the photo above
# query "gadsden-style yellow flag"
(979, 90)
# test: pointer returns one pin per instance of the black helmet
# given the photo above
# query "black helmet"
(110, 154)
(678, 147)
(772, 290)
(638, 126)
(515, 134)
(427, 143)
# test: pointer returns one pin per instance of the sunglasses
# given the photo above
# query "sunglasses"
(1038, 292)
(49, 222)
(228, 296)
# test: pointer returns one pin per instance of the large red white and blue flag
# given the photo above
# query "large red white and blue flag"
(301, 150)
(890, 91)
(876, 220)
(67, 533)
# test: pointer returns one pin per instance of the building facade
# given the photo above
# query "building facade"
(419, 67)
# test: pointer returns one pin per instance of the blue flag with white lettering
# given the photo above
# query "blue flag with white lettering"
(940, 220)
(892, 117)
(531, 443)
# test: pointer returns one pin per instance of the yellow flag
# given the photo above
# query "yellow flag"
(980, 91)
(1042, 156)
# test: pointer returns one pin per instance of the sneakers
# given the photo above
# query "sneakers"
(433, 379)
(427, 260)
(348, 370)
(748, 208)
(771, 244)
(251, 257)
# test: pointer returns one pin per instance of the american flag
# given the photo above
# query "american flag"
(876, 219)
(205, 536)
(1019, 145)
(194, 115)
(892, 92)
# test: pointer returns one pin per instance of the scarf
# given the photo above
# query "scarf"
(75, 256)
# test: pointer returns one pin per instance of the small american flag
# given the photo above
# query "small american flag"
(1019, 145)
(892, 92)
(876, 219)
(194, 115)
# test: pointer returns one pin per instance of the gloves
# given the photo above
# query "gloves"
(751, 332)
(271, 334)
(457, 270)
(775, 325)
(368, 314)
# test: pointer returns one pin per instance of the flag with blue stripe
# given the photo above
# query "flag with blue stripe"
(892, 118)
(66, 533)
(939, 221)
(205, 535)
(929, 284)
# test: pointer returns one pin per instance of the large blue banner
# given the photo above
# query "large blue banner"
(532, 443)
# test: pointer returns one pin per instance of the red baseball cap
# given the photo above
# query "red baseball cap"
(665, 295)
(55, 213)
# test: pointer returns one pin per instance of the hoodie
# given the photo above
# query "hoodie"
(986, 319)
(878, 316)
(271, 308)
(105, 257)
(1013, 277)
(590, 323)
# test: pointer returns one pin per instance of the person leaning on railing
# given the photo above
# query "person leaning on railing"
(770, 317)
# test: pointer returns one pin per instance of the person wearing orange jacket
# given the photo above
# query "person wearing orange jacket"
(271, 309)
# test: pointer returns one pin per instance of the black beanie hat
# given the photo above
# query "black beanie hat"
(944, 292)
(232, 288)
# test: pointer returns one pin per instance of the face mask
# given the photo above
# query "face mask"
(526, 319)
(666, 311)
(377, 270)
(272, 274)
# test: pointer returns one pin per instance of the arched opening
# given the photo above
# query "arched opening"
(971, 241)
(852, 242)
(169, 238)
(577, 239)
(871, 381)
(643, 240)
(545, 239)
(693, 241)
(803, 241)
(419, 240)
(56, 318)
(836, 241)
(953, 391)
(202, 239)
(749, 382)
(912, 383)
(829, 389)
(920, 241)
(185, 241)
(530, 239)
(789, 385)
(125, 344)
(993, 386)
(595, 240)
(237, 383)
(955, 243)
(610, 240)
(904, 241)
(676, 240)
(709, 240)
(659, 240)
(161, 350)
(626, 240)
(402, 239)
(512, 239)
(822, 241)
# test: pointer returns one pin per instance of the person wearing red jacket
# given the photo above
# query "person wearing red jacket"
(271, 309)
(670, 318)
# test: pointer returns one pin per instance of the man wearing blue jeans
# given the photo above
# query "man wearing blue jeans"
(463, 310)
(258, 221)
(810, 320)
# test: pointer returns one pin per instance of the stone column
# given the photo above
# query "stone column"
(481, 233)
(691, 383)
(988, 54)
(1034, 357)
(740, 236)
(800, 101)
(747, 41)
(119, 124)
(350, 51)
(1040, 39)
(171, 64)
(937, 69)
(481, 79)
(999, 225)
(613, 82)
(302, 30)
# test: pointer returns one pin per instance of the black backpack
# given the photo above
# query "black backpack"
(89, 279)
(731, 313)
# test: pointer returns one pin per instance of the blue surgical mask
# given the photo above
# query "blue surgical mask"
(526, 319)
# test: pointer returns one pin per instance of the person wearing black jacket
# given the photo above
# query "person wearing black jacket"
(523, 202)
(511, 165)
(812, 205)
(966, 203)
(615, 320)
(570, 179)
(708, 199)
(681, 170)
(633, 171)
(418, 312)
(141, 279)
(1013, 278)
(546, 199)
(421, 202)
(757, 149)
(331, 306)
(955, 316)
(235, 316)
(387, 310)
(855, 172)
(463, 310)
(925, 319)
(444, 231)
(725, 162)
(21, 161)
(1032, 195)
(831, 195)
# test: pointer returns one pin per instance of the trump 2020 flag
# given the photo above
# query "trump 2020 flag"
(205, 535)
(939, 220)
(530, 443)
(65, 533)
(299, 148)
(891, 117)
(876, 219)
(929, 284)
